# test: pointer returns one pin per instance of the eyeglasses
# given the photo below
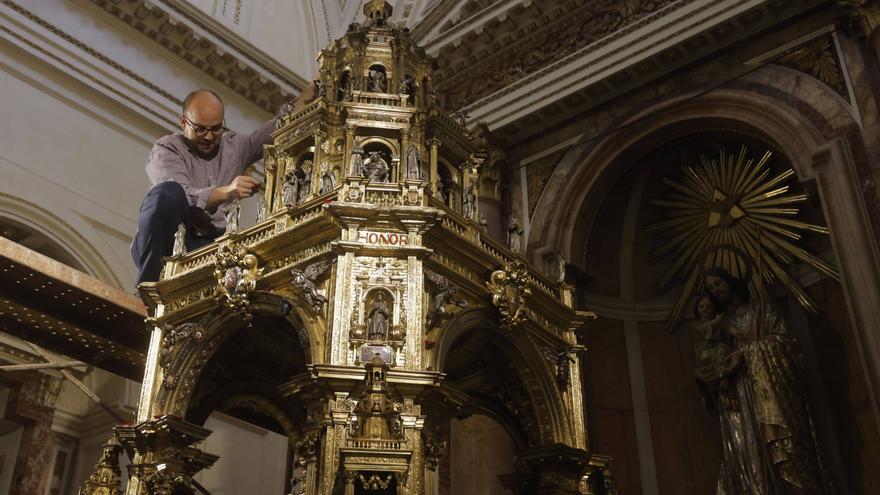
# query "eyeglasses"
(202, 130)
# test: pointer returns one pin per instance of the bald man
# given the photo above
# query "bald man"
(194, 173)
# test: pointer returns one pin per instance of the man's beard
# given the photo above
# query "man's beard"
(194, 147)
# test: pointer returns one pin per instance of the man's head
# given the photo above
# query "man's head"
(201, 122)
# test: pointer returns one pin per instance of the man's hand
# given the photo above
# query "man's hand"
(243, 186)
(308, 95)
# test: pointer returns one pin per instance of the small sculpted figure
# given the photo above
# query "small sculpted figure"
(378, 326)
(328, 179)
(376, 168)
(179, 241)
(469, 202)
(356, 164)
(232, 215)
(514, 235)
(290, 189)
(376, 82)
(413, 163)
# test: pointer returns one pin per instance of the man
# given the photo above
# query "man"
(194, 173)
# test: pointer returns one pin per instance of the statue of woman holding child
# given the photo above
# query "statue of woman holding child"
(749, 368)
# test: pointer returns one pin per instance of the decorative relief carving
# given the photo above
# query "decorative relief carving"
(236, 272)
(304, 283)
(817, 58)
(509, 288)
(553, 41)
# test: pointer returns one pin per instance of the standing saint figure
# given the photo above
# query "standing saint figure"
(356, 165)
(304, 172)
(413, 163)
(232, 215)
(514, 235)
(328, 179)
(768, 441)
(378, 326)
(179, 241)
(290, 189)
(469, 202)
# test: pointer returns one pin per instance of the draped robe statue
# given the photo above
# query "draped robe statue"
(769, 444)
(378, 324)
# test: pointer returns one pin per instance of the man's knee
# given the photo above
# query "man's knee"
(168, 195)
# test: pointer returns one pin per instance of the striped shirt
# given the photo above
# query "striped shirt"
(172, 160)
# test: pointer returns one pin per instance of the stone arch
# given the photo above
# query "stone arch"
(533, 369)
(800, 130)
(188, 364)
(61, 233)
(819, 138)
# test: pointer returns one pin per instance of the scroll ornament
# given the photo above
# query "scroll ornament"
(509, 288)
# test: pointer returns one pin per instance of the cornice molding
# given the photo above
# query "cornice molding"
(211, 47)
(632, 55)
(79, 60)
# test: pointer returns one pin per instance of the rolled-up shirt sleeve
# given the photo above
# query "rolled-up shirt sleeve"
(166, 164)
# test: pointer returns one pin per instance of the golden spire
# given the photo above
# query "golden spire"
(377, 12)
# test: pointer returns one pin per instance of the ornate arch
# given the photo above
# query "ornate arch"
(186, 358)
(61, 233)
(820, 138)
(799, 129)
(534, 370)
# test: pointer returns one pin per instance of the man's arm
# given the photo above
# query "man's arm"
(263, 135)
(166, 164)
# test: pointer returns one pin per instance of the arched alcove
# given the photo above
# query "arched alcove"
(644, 396)
(48, 234)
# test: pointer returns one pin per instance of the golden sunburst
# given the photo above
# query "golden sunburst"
(730, 212)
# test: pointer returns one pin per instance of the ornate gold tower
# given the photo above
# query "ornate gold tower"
(335, 316)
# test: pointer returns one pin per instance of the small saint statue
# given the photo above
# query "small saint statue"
(304, 173)
(376, 169)
(376, 82)
(356, 165)
(413, 163)
(232, 215)
(409, 88)
(484, 223)
(179, 241)
(328, 179)
(290, 189)
(469, 203)
(261, 209)
(514, 235)
(378, 326)
(560, 267)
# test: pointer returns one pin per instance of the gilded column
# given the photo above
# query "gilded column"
(404, 148)
(434, 145)
(320, 138)
(415, 323)
(350, 130)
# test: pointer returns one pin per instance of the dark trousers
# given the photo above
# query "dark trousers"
(164, 208)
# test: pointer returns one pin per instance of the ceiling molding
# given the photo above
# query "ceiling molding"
(633, 55)
(58, 48)
(212, 47)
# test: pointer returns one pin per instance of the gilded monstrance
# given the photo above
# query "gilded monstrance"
(338, 318)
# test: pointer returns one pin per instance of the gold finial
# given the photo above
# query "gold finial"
(377, 12)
